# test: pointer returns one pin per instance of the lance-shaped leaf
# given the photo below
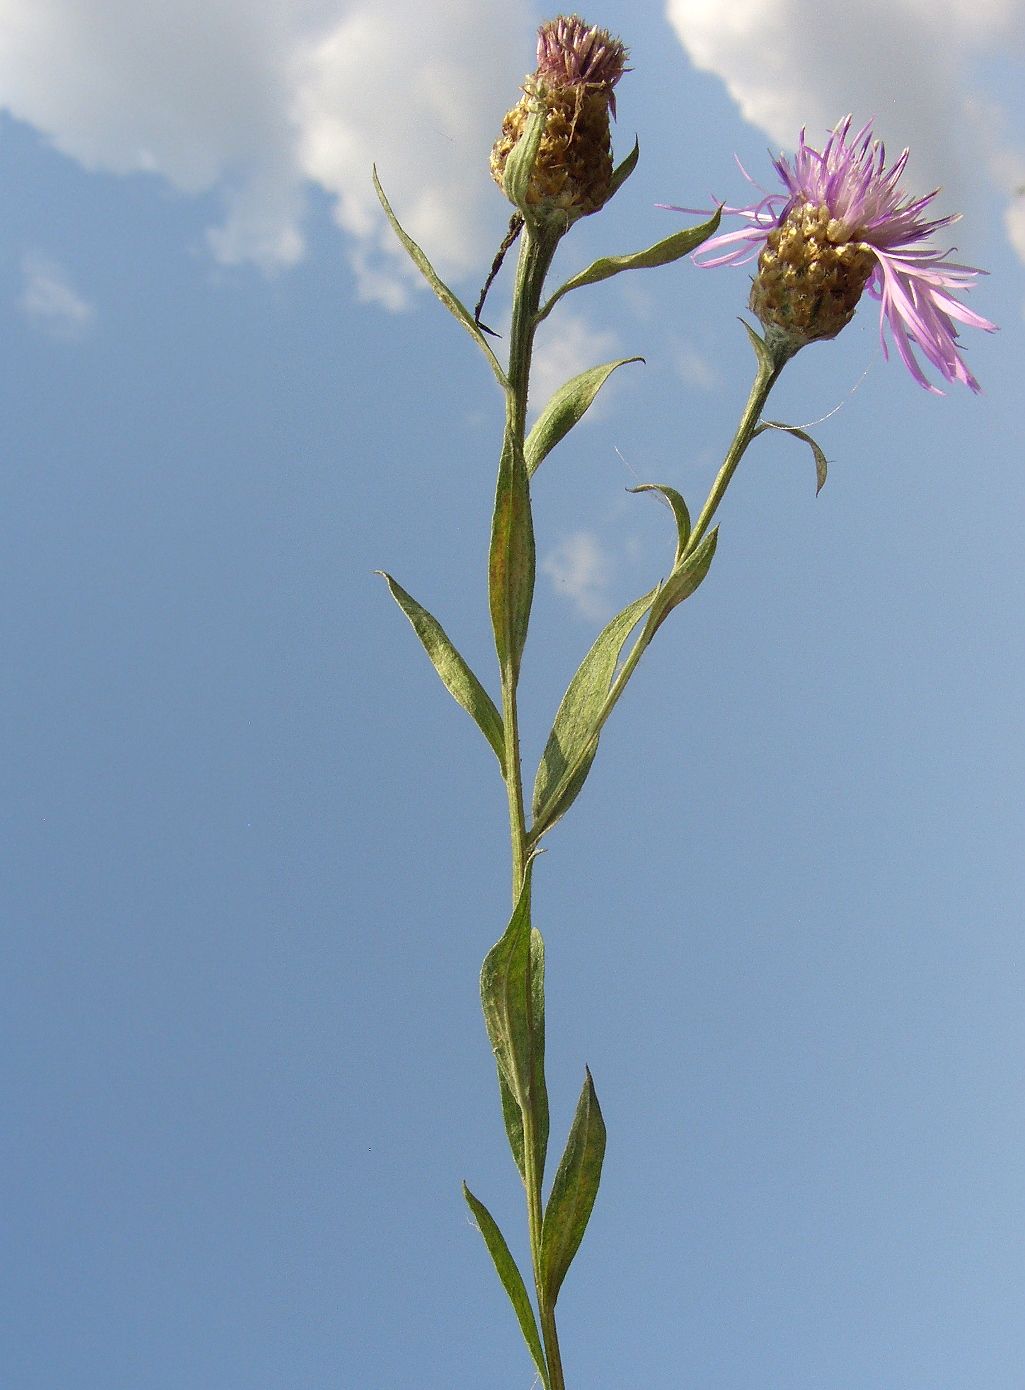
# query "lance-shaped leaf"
(573, 741)
(758, 343)
(684, 579)
(512, 997)
(678, 507)
(511, 1112)
(457, 677)
(821, 466)
(565, 409)
(452, 302)
(519, 167)
(623, 171)
(511, 560)
(512, 1280)
(662, 253)
(573, 1192)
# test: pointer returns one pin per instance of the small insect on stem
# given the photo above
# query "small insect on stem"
(515, 227)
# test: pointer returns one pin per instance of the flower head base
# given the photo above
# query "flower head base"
(842, 226)
(808, 285)
(577, 70)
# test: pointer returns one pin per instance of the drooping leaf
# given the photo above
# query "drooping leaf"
(623, 171)
(821, 465)
(678, 507)
(664, 252)
(573, 741)
(565, 409)
(511, 560)
(684, 579)
(512, 997)
(512, 1280)
(457, 677)
(451, 301)
(573, 1191)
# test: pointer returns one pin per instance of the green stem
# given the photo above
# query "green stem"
(770, 364)
(536, 251)
(769, 368)
(535, 258)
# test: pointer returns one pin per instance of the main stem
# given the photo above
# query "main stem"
(536, 251)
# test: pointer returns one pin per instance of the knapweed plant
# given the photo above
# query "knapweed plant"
(840, 226)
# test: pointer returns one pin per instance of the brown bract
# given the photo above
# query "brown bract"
(577, 69)
(808, 285)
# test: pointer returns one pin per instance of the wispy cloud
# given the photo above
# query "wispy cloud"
(258, 103)
(50, 301)
(580, 570)
(783, 65)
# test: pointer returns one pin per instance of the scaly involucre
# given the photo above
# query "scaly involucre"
(843, 217)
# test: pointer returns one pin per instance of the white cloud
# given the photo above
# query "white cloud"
(566, 346)
(50, 302)
(257, 102)
(911, 64)
(579, 570)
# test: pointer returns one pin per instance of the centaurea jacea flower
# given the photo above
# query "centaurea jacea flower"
(842, 226)
(578, 66)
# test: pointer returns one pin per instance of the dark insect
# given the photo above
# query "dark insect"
(515, 227)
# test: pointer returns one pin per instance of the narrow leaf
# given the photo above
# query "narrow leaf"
(452, 303)
(511, 561)
(512, 1280)
(574, 737)
(512, 997)
(573, 1191)
(672, 248)
(678, 507)
(623, 171)
(519, 167)
(565, 409)
(682, 582)
(821, 465)
(757, 342)
(457, 677)
(511, 1113)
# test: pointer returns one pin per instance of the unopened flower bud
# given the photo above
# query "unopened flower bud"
(577, 69)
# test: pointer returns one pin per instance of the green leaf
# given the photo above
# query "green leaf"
(662, 253)
(512, 997)
(457, 677)
(623, 171)
(452, 303)
(573, 741)
(821, 466)
(573, 1192)
(565, 409)
(511, 560)
(519, 167)
(512, 1280)
(511, 1112)
(761, 349)
(681, 583)
(678, 507)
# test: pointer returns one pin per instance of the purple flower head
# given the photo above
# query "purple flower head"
(577, 69)
(843, 225)
(572, 53)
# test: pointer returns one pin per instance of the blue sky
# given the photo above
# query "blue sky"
(253, 854)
